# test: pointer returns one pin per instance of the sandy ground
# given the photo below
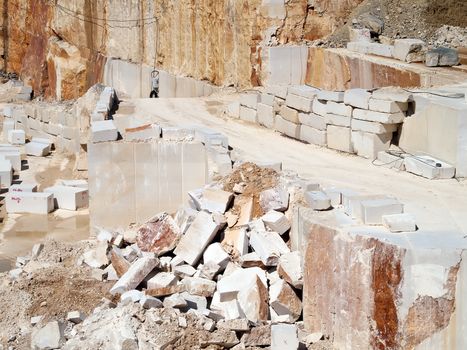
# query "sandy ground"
(440, 206)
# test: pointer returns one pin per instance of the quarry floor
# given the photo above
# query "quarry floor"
(19, 232)
(438, 205)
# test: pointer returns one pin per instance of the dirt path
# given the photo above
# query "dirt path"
(439, 205)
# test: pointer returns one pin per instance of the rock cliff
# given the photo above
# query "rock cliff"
(60, 47)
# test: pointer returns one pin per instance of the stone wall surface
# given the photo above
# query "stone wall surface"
(61, 49)
(415, 294)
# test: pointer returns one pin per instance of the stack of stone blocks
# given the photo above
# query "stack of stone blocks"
(355, 121)
(58, 123)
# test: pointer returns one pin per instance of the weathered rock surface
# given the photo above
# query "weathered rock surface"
(159, 235)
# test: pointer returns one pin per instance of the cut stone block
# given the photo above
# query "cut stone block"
(442, 56)
(284, 337)
(250, 100)
(143, 133)
(299, 103)
(6, 173)
(394, 94)
(266, 115)
(253, 300)
(269, 246)
(277, 90)
(353, 203)
(429, 167)
(199, 286)
(233, 109)
(318, 200)
(276, 221)
(13, 156)
(373, 210)
(339, 109)
(8, 125)
(195, 301)
(286, 127)
(215, 201)
(380, 117)
(69, 198)
(267, 99)
(372, 127)
(37, 149)
(368, 145)
(303, 91)
(289, 114)
(149, 302)
(201, 232)
(240, 325)
(335, 96)
(16, 137)
(276, 198)
(359, 34)
(312, 120)
(386, 106)
(248, 114)
(229, 285)
(131, 296)
(183, 271)
(215, 254)
(338, 138)
(178, 134)
(357, 97)
(285, 301)
(51, 336)
(159, 235)
(75, 317)
(102, 131)
(135, 275)
(409, 50)
(400, 222)
(175, 301)
(290, 269)
(29, 202)
(338, 120)
(162, 280)
(237, 239)
(251, 260)
(390, 160)
(319, 107)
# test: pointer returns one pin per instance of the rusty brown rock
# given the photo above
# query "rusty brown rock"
(285, 301)
(162, 292)
(159, 235)
(254, 301)
(119, 263)
(258, 336)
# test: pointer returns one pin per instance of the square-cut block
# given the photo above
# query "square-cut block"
(23, 187)
(29, 202)
(16, 137)
(37, 149)
(6, 174)
(69, 198)
(102, 131)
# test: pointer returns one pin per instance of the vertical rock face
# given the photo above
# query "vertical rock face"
(365, 292)
(61, 48)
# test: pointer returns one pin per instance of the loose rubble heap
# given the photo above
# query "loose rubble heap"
(223, 272)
